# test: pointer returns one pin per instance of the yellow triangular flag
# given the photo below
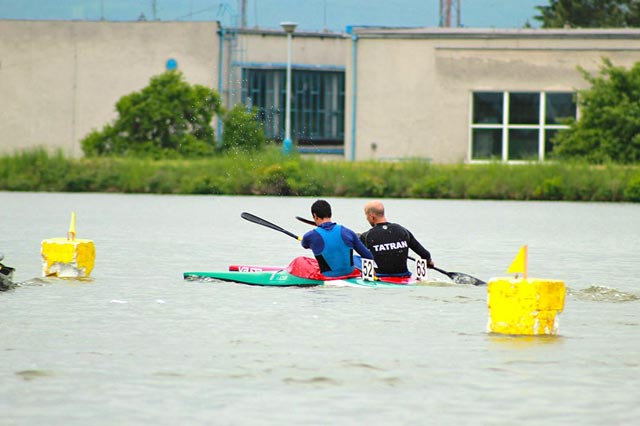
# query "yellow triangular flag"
(519, 264)
(72, 227)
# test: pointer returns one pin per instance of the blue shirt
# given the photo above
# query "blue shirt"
(333, 246)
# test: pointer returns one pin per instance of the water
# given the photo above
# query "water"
(138, 345)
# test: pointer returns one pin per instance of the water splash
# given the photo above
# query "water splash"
(599, 293)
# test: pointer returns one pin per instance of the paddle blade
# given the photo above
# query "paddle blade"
(255, 219)
(460, 278)
(307, 221)
(260, 221)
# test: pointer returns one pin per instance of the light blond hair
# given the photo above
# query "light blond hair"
(375, 208)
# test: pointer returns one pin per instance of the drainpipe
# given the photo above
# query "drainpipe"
(222, 34)
(354, 86)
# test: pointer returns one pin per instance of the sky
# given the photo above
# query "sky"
(312, 15)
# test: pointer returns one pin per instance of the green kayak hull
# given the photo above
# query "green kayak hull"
(284, 279)
(268, 278)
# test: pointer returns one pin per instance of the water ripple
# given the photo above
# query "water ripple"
(603, 294)
(33, 374)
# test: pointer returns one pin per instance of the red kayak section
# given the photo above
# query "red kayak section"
(255, 268)
(306, 267)
(303, 267)
(397, 280)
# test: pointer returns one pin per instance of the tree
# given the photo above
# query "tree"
(168, 118)
(242, 130)
(608, 128)
(589, 14)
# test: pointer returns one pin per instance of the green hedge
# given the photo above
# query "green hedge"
(269, 173)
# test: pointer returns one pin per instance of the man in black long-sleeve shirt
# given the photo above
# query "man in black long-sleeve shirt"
(390, 243)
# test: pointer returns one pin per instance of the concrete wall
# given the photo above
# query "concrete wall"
(414, 86)
(61, 79)
(306, 48)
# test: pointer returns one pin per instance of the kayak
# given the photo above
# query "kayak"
(304, 267)
(274, 276)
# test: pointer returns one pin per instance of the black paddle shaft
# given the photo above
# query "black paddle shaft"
(255, 219)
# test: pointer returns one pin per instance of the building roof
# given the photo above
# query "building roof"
(496, 33)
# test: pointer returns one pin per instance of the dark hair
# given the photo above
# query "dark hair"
(321, 208)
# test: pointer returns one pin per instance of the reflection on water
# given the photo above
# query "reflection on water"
(33, 374)
(41, 281)
(524, 342)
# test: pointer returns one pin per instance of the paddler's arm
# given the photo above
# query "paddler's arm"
(420, 250)
(312, 240)
(352, 240)
(306, 240)
(361, 248)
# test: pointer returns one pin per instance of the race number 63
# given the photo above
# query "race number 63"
(421, 269)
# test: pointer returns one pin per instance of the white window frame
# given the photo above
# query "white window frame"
(505, 126)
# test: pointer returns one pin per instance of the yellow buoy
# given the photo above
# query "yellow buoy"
(68, 257)
(524, 306)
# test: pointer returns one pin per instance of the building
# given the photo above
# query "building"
(446, 95)
(465, 95)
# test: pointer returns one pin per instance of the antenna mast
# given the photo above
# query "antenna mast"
(449, 8)
(154, 10)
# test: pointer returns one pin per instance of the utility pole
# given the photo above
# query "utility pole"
(447, 9)
(243, 13)
(154, 10)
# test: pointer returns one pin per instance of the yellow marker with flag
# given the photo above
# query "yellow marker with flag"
(524, 306)
(68, 257)
(519, 264)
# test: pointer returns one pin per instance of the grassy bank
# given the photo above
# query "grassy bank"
(269, 173)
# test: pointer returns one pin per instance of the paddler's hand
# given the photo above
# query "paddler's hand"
(430, 264)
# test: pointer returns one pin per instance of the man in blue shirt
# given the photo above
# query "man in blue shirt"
(332, 244)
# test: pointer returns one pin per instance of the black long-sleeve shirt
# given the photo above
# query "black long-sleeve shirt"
(390, 244)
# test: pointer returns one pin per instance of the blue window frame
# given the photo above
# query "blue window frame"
(317, 103)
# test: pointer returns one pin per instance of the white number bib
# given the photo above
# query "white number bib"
(368, 270)
(421, 269)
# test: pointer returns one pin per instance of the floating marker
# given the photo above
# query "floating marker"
(524, 306)
(68, 257)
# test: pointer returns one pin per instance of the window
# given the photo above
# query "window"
(517, 126)
(317, 103)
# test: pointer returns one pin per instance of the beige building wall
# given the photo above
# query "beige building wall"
(61, 79)
(413, 87)
(270, 46)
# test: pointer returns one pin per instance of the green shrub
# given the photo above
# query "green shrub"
(632, 190)
(242, 130)
(609, 126)
(167, 119)
(431, 186)
(268, 172)
(550, 189)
